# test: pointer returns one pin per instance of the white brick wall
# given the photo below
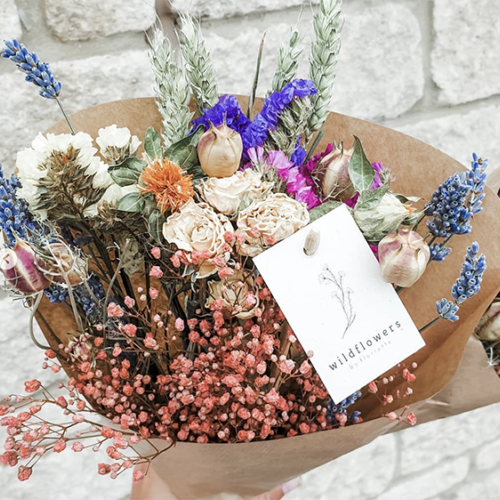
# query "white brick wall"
(426, 67)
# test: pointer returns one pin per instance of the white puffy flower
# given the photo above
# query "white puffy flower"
(227, 193)
(111, 197)
(117, 144)
(32, 163)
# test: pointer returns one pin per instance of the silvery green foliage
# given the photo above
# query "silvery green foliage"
(288, 58)
(171, 89)
(199, 69)
(324, 54)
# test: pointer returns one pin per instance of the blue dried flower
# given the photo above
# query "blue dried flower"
(447, 310)
(439, 252)
(36, 71)
(86, 301)
(256, 134)
(299, 155)
(447, 207)
(16, 220)
(56, 294)
(471, 275)
(228, 109)
(466, 286)
(477, 181)
(456, 201)
(341, 409)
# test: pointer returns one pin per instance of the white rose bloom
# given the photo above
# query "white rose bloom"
(233, 291)
(197, 227)
(227, 193)
(31, 162)
(117, 144)
(273, 219)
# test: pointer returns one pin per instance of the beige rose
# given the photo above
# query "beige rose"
(234, 292)
(227, 193)
(197, 227)
(268, 221)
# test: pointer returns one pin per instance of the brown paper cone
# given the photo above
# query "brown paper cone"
(193, 470)
(252, 468)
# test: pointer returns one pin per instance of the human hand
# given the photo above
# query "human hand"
(281, 491)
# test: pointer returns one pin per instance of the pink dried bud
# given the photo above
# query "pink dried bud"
(23, 269)
(411, 419)
(336, 181)
(403, 256)
(219, 151)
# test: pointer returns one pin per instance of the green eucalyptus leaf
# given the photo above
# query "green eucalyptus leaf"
(155, 225)
(131, 162)
(317, 212)
(183, 153)
(405, 199)
(126, 176)
(361, 171)
(152, 144)
(132, 202)
(370, 199)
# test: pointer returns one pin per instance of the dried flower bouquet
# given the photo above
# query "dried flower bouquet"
(136, 260)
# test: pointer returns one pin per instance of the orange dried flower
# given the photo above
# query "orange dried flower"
(169, 184)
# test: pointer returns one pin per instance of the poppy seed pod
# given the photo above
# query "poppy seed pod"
(336, 180)
(24, 270)
(403, 256)
(219, 151)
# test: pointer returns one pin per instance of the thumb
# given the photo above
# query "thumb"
(281, 491)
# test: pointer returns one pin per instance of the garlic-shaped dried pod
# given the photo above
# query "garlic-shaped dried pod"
(219, 151)
(23, 269)
(489, 326)
(403, 256)
(336, 183)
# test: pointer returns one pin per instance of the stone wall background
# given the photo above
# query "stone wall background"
(426, 67)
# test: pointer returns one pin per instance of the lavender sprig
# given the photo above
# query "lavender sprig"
(471, 275)
(16, 220)
(467, 285)
(36, 72)
(454, 204)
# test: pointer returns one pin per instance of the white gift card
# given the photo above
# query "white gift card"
(338, 305)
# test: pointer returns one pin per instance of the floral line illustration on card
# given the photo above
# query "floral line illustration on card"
(342, 294)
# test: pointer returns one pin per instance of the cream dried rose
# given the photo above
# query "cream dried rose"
(237, 293)
(197, 227)
(268, 221)
(226, 194)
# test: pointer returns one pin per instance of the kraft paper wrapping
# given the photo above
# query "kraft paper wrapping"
(195, 471)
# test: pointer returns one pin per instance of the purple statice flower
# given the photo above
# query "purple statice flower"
(36, 71)
(307, 171)
(280, 162)
(295, 183)
(228, 109)
(299, 155)
(256, 133)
